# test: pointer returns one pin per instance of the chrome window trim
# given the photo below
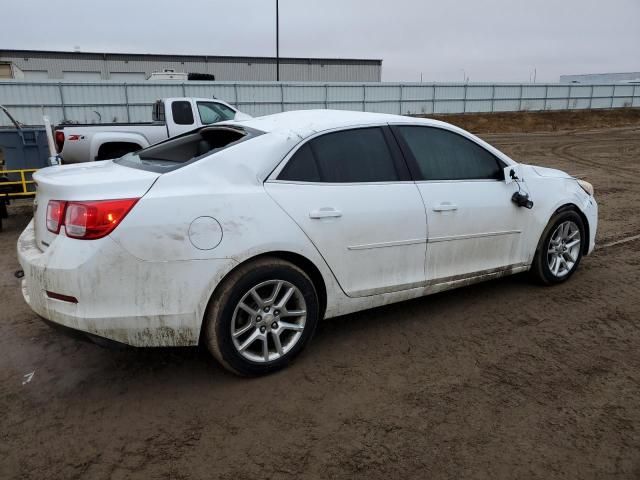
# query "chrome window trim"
(336, 184)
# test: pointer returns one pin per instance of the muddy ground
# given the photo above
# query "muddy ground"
(505, 379)
(549, 121)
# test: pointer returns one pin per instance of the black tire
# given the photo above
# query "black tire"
(540, 267)
(218, 318)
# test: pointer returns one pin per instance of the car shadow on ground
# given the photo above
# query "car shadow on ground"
(118, 361)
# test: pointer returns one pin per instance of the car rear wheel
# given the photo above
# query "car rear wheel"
(560, 248)
(261, 317)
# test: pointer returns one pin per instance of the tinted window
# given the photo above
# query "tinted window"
(301, 167)
(360, 155)
(211, 112)
(444, 155)
(158, 111)
(182, 114)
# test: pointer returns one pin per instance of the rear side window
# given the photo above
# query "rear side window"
(348, 156)
(444, 155)
(158, 111)
(302, 166)
(187, 148)
(182, 113)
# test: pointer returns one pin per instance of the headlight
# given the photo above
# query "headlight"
(586, 186)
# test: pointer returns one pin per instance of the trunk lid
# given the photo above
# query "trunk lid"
(85, 181)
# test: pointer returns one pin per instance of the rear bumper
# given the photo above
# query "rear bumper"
(121, 298)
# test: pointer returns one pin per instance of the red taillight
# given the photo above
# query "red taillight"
(91, 219)
(55, 215)
(59, 140)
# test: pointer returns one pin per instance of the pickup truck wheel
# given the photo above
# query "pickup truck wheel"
(261, 317)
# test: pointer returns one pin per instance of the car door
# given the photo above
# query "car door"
(351, 193)
(182, 119)
(473, 226)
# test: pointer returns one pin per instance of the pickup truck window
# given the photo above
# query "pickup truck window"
(211, 112)
(158, 111)
(186, 148)
(181, 111)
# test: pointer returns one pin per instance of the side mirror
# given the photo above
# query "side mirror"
(512, 173)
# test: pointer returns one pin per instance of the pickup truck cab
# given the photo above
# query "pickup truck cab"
(171, 116)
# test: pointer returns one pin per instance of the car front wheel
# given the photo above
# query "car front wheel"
(261, 317)
(560, 248)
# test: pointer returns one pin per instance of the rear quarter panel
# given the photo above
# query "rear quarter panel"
(225, 188)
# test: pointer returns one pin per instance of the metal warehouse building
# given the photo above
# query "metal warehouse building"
(85, 67)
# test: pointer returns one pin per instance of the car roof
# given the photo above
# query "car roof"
(305, 123)
(287, 129)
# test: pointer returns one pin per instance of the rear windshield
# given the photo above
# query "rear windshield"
(186, 148)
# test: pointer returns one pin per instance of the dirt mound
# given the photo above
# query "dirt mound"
(525, 122)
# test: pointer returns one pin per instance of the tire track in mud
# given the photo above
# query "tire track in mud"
(621, 241)
(567, 152)
(577, 139)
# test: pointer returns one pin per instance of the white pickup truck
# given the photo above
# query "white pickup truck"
(171, 116)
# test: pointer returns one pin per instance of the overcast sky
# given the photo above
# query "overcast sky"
(486, 40)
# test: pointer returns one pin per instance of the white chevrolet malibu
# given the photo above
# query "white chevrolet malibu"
(245, 234)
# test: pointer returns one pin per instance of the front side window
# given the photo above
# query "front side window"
(181, 112)
(444, 155)
(348, 156)
(212, 112)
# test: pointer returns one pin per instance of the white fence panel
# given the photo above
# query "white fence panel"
(346, 93)
(316, 95)
(92, 102)
(29, 94)
(224, 92)
(93, 94)
(414, 107)
(143, 93)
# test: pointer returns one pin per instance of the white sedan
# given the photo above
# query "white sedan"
(245, 234)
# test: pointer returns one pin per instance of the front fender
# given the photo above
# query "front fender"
(549, 194)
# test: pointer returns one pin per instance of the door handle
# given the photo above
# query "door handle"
(445, 207)
(325, 212)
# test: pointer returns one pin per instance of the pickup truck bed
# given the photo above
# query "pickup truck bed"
(108, 140)
(172, 116)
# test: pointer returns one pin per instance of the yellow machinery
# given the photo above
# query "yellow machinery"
(17, 183)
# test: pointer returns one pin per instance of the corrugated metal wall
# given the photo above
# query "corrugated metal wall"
(67, 66)
(122, 102)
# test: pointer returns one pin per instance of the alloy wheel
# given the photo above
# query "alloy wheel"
(268, 321)
(564, 248)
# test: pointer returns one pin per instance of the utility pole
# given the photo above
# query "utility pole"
(277, 41)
